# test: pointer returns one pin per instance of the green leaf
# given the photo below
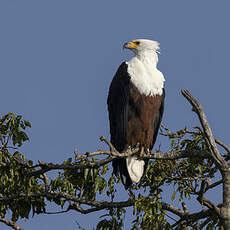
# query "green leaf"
(86, 171)
(172, 143)
(173, 196)
(97, 183)
(199, 168)
(27, 123)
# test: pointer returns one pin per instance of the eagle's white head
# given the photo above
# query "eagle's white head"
(142, 45)
(142, 68)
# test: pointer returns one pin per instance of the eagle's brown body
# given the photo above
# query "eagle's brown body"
(134, 118)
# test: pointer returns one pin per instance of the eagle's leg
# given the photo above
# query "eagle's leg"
(132, 188)
(127, 148)
(137, 146)
(131, 193)
(142, 152)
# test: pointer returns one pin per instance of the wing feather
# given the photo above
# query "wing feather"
(118, 99)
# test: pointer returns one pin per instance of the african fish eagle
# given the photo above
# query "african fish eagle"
(135, 105)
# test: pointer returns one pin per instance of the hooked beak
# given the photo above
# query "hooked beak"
(130, 45)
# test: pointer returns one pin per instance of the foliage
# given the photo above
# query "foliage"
(13, 172)
(25, 187)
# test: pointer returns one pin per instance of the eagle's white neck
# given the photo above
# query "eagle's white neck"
(144, 73)
(148, 57)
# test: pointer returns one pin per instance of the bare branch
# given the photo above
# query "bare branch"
(184, 206)
(177, 155)
(112, 148)
(203, 201)
(45, 166)
(210, 205)
(214, 185)
(185, 215)
(224, 146)
(112, 154)
(173, 209)
(58, 212)
(219, 160)
(76, 206)
(11, 224)
(92, 154)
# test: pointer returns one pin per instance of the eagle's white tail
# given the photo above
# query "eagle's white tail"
(135, 168)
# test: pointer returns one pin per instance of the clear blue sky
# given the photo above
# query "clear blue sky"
(57, 59)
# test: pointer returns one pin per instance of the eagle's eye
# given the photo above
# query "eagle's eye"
(137, 43)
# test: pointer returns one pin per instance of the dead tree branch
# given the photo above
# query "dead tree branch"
(197, 108)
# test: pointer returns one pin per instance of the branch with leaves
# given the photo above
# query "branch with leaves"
(193, 161)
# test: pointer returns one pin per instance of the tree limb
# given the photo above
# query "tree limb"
(112, 154)
(219, 160)
(11, 224)
(203, 201)
(100, 205)
(213, 185)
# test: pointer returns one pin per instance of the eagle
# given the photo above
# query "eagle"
(135, 104)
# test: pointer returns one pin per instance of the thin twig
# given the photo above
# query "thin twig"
(58, 212)
(186, 131)
(213, 185)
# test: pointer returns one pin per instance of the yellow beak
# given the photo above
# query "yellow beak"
(130, 45)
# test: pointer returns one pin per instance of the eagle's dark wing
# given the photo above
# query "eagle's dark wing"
(118, 100)
(157, 120)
